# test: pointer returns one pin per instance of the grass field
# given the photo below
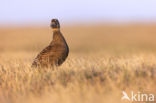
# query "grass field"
(104, 60)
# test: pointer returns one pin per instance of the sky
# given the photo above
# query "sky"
(41, 11)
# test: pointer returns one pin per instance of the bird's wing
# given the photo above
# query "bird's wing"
(44, 56)
(49, 50)
(52, 53)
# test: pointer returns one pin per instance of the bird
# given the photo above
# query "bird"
(56, 52)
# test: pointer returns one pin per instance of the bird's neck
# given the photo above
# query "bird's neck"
(56, 33)
(57, 37)
(56, 29)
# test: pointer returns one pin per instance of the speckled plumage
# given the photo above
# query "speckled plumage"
(57, 51)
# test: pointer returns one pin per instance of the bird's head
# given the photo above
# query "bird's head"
(55, 25)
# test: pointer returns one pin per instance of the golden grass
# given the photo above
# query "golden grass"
(104, 60)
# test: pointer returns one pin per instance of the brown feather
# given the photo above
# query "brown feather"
(54, 54)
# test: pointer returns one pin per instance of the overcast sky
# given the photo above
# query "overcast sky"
(28, 11)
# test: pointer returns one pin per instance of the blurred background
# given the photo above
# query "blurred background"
(40, 12)
(112, 48)
(95, 25)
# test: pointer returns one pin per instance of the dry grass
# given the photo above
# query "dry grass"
(103, 61)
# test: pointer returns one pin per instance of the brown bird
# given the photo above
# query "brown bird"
(57, 51)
